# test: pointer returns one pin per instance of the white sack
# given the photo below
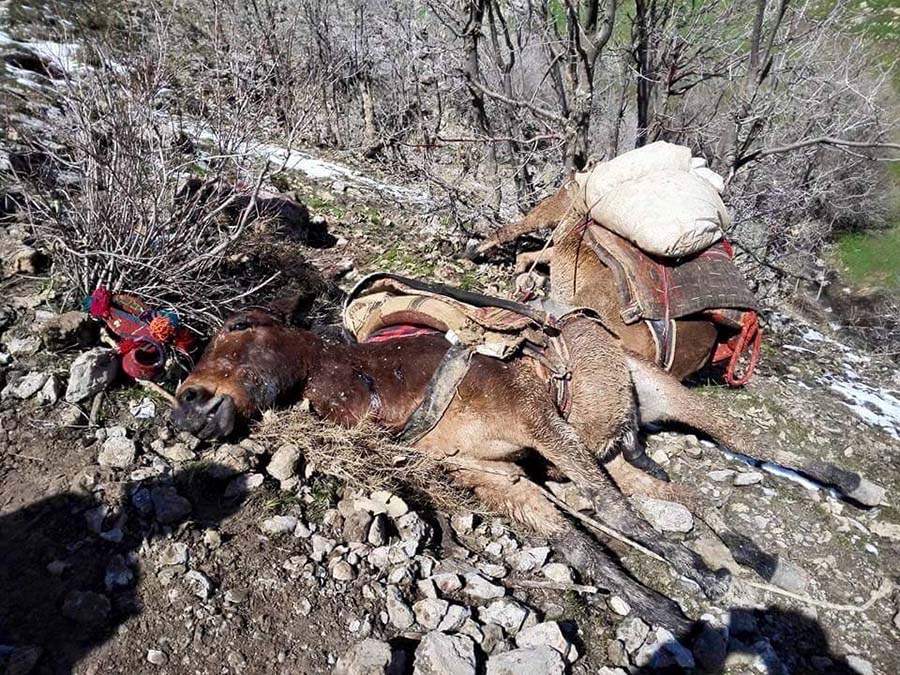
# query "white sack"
(657, 198)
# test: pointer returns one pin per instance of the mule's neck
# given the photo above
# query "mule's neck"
(382, 381)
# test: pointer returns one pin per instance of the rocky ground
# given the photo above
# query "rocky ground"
(126, 548)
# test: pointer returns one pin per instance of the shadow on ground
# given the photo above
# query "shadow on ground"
(69, 570)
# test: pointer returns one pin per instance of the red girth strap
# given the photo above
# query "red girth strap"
(749, 337)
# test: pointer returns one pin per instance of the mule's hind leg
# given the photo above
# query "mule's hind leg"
(503, 487)
(558, 442)
(662, 399)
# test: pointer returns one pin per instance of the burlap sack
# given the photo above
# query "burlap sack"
(654, 198)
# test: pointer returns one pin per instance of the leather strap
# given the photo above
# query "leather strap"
(438, 394)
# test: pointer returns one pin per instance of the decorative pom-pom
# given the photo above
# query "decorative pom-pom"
(162, 329)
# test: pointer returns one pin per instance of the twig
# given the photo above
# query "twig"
(552, 585)
(601, 527)
(33, 459)
(824, 140)
(159, 391)
(95, 409)
(886, 588)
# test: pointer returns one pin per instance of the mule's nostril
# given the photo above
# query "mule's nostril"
(193, 395)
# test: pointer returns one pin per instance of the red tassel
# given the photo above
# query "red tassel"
(101, 302)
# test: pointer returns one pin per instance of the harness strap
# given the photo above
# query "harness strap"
(664, 340)
(438, 394)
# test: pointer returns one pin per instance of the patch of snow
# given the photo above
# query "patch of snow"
(872, 405)
(774, 469)
(318, 169)
(60, 54)
(812, 335)
(795, 348)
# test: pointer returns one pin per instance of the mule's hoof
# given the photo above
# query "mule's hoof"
(867, 493)
(649, 466)
(714, 584)
(849, 483)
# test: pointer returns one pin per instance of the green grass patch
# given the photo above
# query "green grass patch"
(872, 258)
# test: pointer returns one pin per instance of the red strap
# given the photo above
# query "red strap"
(750, 336)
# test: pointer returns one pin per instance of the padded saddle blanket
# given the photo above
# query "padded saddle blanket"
(664, 289)
(385, 304)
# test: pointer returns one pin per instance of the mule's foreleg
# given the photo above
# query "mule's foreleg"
(503, 487)
(662, 399)
(558, 442)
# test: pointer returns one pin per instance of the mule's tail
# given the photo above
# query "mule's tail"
(662, 399)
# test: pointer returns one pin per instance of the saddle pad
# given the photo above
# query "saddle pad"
(655, 289)
(381, 301)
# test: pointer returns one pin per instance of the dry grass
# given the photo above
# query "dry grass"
(366, 457)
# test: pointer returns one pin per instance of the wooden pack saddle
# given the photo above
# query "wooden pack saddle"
(660, 290)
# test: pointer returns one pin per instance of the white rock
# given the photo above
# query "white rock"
(369, 657)
(493, 570)
(412, 530)
(283, 465)
(507, 613)
(721, 475)
(29, 385)
(662, 650)
(529, 559)
(157, 657)
(748, 478)
(144, 409)
(399, 613)
(455, 617)
(558, 572)
(447, 582)
(228, 460)
(377, 534)
(279, 525)
(618, 605)
(442, 654)
(175, 553)
(117, 452)
(547, 633)
(480, 588)
(177, 452)
(632, 632)
(343, 571)
(199, 584)
(50, 392)
(321, 546)
(426, 588)
(664, 515)
(430, 612)
(396, 507)
(462, 523)
(539, 660)
(860, 665)
(243, 484)
(91, 373)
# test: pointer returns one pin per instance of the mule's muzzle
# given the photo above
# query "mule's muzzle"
(204, 414)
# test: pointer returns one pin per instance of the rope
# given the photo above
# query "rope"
(750, 331)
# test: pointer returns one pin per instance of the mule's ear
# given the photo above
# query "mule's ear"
(294, 309)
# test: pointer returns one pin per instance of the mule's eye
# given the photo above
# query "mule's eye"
(239, 325)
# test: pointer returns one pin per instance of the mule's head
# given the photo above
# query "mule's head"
(253, 362)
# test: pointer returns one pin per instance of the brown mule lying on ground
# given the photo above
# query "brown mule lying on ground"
(579, 279)
(502, 410)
